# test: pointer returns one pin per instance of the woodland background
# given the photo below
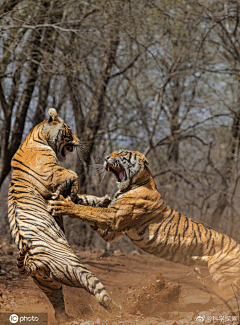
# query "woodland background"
(158, 76)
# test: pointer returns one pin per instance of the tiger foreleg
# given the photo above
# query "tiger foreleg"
(93, 201)
(87, 200)
(65, 182)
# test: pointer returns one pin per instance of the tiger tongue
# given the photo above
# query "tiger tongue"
(121, 175)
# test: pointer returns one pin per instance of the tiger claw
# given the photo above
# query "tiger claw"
(49, 208)
(195, 258)
(203, 259)
(197, 271)
(55, 195)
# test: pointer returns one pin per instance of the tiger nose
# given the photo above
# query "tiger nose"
(107, 158)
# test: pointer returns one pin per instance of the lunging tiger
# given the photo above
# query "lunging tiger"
(44, 251)
(138, 211)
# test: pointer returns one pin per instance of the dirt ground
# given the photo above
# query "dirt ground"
(150, 291)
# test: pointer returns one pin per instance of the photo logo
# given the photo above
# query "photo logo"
(13, 318)
(24, 318)
(200, 319)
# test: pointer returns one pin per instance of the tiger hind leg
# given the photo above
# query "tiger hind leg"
(209, 283)
(53, 290)
(49, 280)
(30, 268)
(81, 277)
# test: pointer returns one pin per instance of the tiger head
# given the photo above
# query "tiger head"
(59, 135)
(128, 166)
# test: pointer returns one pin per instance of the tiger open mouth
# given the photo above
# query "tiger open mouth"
(66, 149)
(118, 171)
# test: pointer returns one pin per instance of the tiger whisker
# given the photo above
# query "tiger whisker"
(103, 175)
(96, 172)
(98, 168)
(83, 149)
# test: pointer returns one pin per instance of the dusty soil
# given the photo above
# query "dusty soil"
(150, 290)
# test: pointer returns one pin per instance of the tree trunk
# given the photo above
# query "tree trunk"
(87, 127)
(231, 160)
(8, 148)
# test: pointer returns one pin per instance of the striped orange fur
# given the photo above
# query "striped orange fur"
(44, 251)
(139, 212)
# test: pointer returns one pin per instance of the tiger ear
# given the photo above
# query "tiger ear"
(143, 158)
(145, 161)
(53, 115)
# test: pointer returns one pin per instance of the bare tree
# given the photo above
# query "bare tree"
(26, 68)
(154, 76)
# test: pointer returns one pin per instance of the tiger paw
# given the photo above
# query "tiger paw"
(106, 200)
(62, 317)
(113, 307)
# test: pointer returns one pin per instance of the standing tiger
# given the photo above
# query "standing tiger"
(44, 251)
(138, 211)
